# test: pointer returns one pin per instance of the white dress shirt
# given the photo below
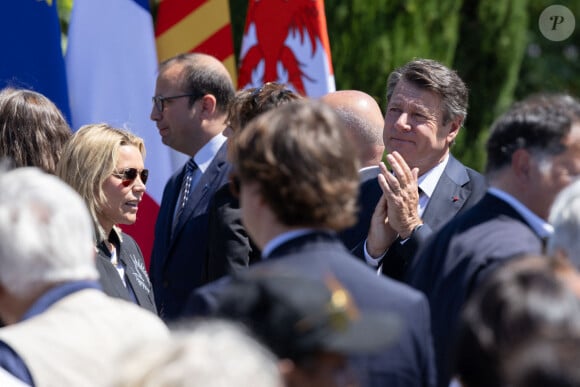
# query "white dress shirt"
(427, 183)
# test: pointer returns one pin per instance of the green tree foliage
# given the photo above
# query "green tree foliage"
(369, 39)
(548, 65)
(495, 46)
(488, 58)
(484, 40)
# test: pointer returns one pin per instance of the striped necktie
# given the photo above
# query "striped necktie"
(190, 168)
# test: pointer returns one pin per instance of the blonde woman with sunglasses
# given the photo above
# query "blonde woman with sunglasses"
(105, 165)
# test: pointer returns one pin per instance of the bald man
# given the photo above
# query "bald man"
(190, 109)
(364, 121)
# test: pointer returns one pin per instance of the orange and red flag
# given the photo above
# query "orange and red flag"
(195, 26)
(287, 42)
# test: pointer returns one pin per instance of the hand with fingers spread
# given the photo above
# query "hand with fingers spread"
(396, 213)
(401, 190)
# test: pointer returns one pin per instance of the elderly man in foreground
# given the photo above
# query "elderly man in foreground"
(62, 329)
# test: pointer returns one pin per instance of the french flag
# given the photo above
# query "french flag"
(111, 65)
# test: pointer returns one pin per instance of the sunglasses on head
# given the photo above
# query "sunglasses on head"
(128, 175)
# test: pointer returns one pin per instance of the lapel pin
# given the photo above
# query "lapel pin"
(455, 199)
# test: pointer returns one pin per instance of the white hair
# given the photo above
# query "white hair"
(210, 353)
(46, 234)
(565, 217)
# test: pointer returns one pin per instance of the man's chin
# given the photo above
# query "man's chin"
(165, 140)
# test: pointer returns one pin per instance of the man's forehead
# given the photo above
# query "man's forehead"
(413, 95)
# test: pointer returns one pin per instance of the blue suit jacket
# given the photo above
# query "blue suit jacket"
(230, 248)
(455, 260)
(177, 261)
(409, 360)
(458, 189)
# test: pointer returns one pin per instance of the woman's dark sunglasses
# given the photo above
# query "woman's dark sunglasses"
(128, 175)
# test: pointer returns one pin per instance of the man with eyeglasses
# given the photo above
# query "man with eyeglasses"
(190, 108)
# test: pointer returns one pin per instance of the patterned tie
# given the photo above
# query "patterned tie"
(190, 168)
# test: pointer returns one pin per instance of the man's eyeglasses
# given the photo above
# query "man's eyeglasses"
(128, 175)
(159, 101)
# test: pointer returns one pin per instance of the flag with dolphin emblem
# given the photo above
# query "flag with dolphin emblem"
(287, 42)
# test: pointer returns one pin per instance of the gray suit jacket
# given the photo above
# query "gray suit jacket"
(458, 189)
(136, 276)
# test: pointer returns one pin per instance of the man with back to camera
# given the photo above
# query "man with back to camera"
(363, 120)
(297, 179)
(62, 330)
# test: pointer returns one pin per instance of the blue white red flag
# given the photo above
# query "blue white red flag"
(111, 64)
(287, 42)
(32, 53)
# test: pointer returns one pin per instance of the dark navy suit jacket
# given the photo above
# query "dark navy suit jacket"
(455, 260)
(177, 261)
(409, 360)
(230, 248)
(458, 189)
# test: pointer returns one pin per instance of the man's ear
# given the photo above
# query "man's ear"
(521, 164)
(454, 126)
(208, 106)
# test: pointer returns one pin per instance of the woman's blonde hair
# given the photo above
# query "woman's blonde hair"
(89, 158)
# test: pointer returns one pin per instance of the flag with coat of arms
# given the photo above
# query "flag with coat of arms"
(287, 42)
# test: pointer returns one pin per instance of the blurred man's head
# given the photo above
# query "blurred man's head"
(250, 103)
(565, 217)
(311, 325)
(533, 150)
(363, 121)
(46, 235)
(296, 162)
(205, 352)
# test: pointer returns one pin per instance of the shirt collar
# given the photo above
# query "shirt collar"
(206, 154)
(428, 181)
(57, 293)
(282, 238)
(368, 173)
(542, 228)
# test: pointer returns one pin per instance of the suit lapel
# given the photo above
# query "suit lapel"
(136, 275)
(109, 278)
(204, 187)
(168, 203)
(449, 195)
